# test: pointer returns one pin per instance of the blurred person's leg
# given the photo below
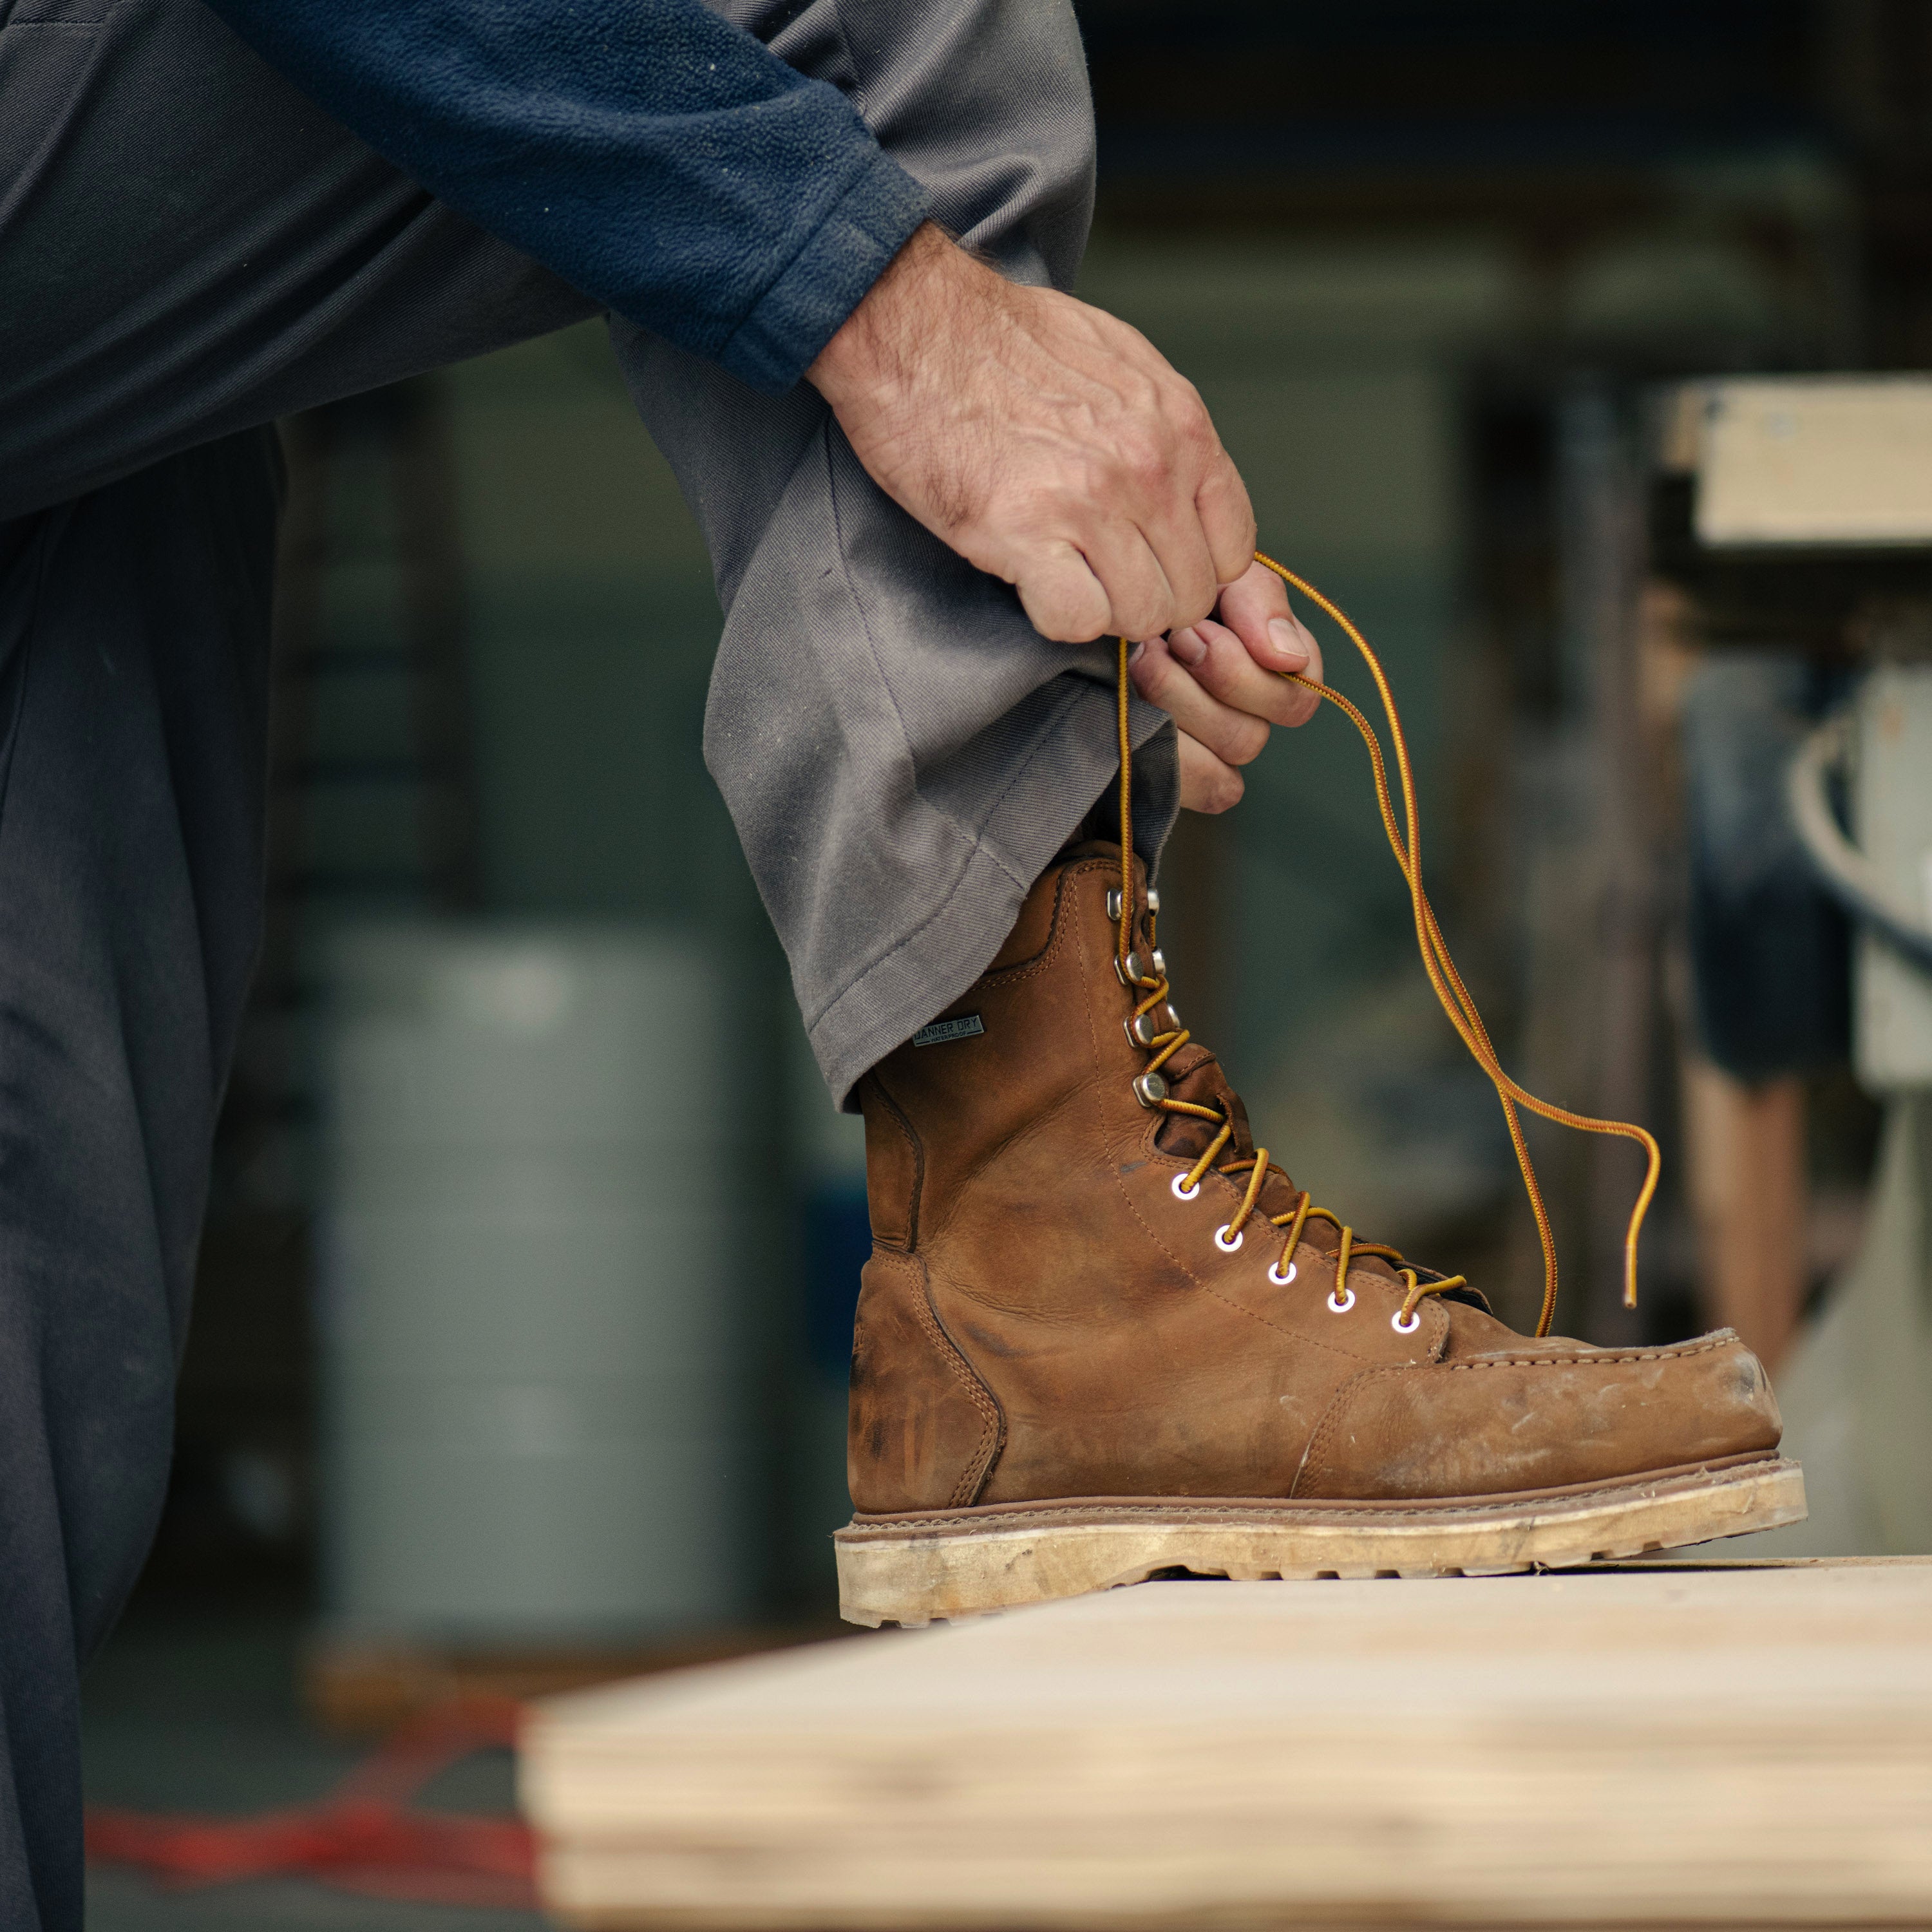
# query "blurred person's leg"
(1744, 1170)
(188, 250)
(1769, 954)
(133, 684)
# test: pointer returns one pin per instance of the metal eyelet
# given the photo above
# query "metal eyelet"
(1182, 1191)
(1347, 1301)
(1150, 1090)
(1401, 1326)
(1281, 1280)
(1113, 901)
(1222, 1241)
(1144, 1029)
(1131, 970)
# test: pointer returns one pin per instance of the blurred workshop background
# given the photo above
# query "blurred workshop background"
(527, 1290)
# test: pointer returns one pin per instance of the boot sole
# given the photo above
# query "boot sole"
(909, 1570)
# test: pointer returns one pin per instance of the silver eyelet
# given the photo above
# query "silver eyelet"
(1182, 1191)
(1280, 1280)
(1131, 970)
(1222, 1241)
(1401, 1326)
(1347, 1301)
(1113, 901)
(1150, 1090)
(1145, 1030)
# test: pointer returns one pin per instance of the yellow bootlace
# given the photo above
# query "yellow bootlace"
(1405, 840)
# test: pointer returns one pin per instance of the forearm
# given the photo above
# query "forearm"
(655, 156)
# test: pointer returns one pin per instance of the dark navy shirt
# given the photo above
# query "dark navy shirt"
(658, 158)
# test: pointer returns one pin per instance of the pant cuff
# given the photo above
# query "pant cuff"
(1072, 764)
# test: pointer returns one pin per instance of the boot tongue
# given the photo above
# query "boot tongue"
(1194, 1075)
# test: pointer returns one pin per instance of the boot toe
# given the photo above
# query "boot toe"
(1539, 1417)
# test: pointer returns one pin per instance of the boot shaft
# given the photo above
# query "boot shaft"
(951, 1115)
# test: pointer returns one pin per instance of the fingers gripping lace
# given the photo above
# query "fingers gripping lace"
(1405, 840)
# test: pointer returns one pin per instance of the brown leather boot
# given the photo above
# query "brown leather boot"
(1102, 1336)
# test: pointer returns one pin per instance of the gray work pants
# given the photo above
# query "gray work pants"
(187, 250)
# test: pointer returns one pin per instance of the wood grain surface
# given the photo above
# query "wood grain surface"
(1646, 1746)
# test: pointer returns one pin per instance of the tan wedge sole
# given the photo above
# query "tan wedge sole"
(909, 1570)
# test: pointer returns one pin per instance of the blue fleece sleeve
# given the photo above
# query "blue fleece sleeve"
(660, 159)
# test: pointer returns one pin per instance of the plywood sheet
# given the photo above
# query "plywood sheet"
(1653, 1746)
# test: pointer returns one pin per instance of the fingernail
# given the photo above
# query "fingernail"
(1136, 650)
(1283, 634)
(1187, 646)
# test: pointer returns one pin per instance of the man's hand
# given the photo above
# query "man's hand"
(1046, 442)
(1221, 683)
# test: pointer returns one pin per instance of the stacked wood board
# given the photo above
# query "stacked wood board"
(1743, 1745)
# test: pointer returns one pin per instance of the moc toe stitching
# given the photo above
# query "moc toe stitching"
(1431, 1440)
(1603, 1358)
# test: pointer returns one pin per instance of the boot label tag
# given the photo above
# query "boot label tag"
(937, 1032)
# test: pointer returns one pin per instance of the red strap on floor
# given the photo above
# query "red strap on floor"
(363, 1838)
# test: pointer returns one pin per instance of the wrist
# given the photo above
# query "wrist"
(871, 345)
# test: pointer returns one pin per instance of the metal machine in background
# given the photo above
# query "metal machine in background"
(1809, 516)
(1882, 745)
(1860, 1391)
